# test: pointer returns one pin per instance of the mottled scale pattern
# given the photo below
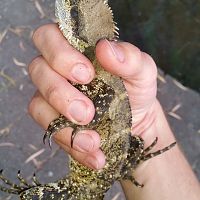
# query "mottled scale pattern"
(84, 23)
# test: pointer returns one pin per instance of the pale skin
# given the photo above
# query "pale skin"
(166, 177)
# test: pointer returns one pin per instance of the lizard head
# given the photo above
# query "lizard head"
(85, 22)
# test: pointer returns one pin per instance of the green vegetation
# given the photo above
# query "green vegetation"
(168, 30)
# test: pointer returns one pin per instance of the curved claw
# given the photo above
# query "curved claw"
(44, 138)
(48, 135)
(55, 126)
(74, 132)
(35, 180)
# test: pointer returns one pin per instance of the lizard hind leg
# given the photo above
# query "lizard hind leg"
(138, 154)
(133, 159)
(12, 188)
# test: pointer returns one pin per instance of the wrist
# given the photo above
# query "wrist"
(154, 125)
(166, 171)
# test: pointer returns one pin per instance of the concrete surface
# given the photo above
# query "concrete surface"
(21, 138)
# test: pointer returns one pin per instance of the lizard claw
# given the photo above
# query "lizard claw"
(74, 132)
(48, 135)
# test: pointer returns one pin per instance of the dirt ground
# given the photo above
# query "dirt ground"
(21, 144)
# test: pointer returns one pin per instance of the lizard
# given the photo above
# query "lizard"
(84, 23)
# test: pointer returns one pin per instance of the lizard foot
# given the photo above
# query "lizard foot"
(56, 125)
(138, 154)
(156, 153)
(13, 188)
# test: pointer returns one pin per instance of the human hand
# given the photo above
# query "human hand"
(60, 62)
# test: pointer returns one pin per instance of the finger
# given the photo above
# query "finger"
(94, 160)
(59, 93)
(125, 60)
(43, 114)
(61, 56)
(136, 68)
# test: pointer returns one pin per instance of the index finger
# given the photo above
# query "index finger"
(61, 56)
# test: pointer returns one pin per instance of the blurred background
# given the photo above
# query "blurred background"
(167, 30)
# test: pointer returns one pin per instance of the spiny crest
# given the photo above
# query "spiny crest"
(115, 28)
(67, 25)
(84, 27)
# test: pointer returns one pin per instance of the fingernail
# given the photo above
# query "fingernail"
(78, 110)
(92, 162)
(117, 51)
(83, 142)
(81, 73)
(97, 161)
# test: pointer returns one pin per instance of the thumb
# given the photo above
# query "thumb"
(126, 61)
(137, 70)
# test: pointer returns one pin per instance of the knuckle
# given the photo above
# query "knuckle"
(135, 60)
(152, 68)
(32, 68)
(137, 57)
(40, 31)
(32, 105)
(37, 33)
(53, 95)
(58, 59)
(134, 57)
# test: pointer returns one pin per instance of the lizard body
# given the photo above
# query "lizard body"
(83, 23)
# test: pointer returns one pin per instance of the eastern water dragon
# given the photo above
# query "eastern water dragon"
(84, 23)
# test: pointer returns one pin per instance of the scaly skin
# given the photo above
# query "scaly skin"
(80, 23)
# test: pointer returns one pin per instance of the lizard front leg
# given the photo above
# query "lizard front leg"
(56, 125)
